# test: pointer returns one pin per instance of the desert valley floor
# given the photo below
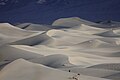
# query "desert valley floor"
(69, 49)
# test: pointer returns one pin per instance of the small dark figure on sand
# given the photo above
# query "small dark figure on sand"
(69, 71)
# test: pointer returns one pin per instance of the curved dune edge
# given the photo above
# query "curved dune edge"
(34, 71)
(9, 33)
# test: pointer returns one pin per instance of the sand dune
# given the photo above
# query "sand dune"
(95, 43)
(112, 66)
(71, 22)
(22, 25)
(92, 71)
(54, 61)
(34, 27)
(24, 70)
(110, 33)
(7, 29)
(12, 52)
(61, 37)
(33, 40)
(9, 33)
(89, 29)
(38, 27)
(61, 51)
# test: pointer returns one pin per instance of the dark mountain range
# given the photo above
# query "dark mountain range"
(46, 11)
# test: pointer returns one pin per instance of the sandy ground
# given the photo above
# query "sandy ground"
(69, 49)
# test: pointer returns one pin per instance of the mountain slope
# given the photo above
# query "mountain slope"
(49, 10)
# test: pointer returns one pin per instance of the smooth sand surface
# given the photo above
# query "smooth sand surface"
(61, 51)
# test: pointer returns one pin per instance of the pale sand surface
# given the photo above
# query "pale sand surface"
(60, 51)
